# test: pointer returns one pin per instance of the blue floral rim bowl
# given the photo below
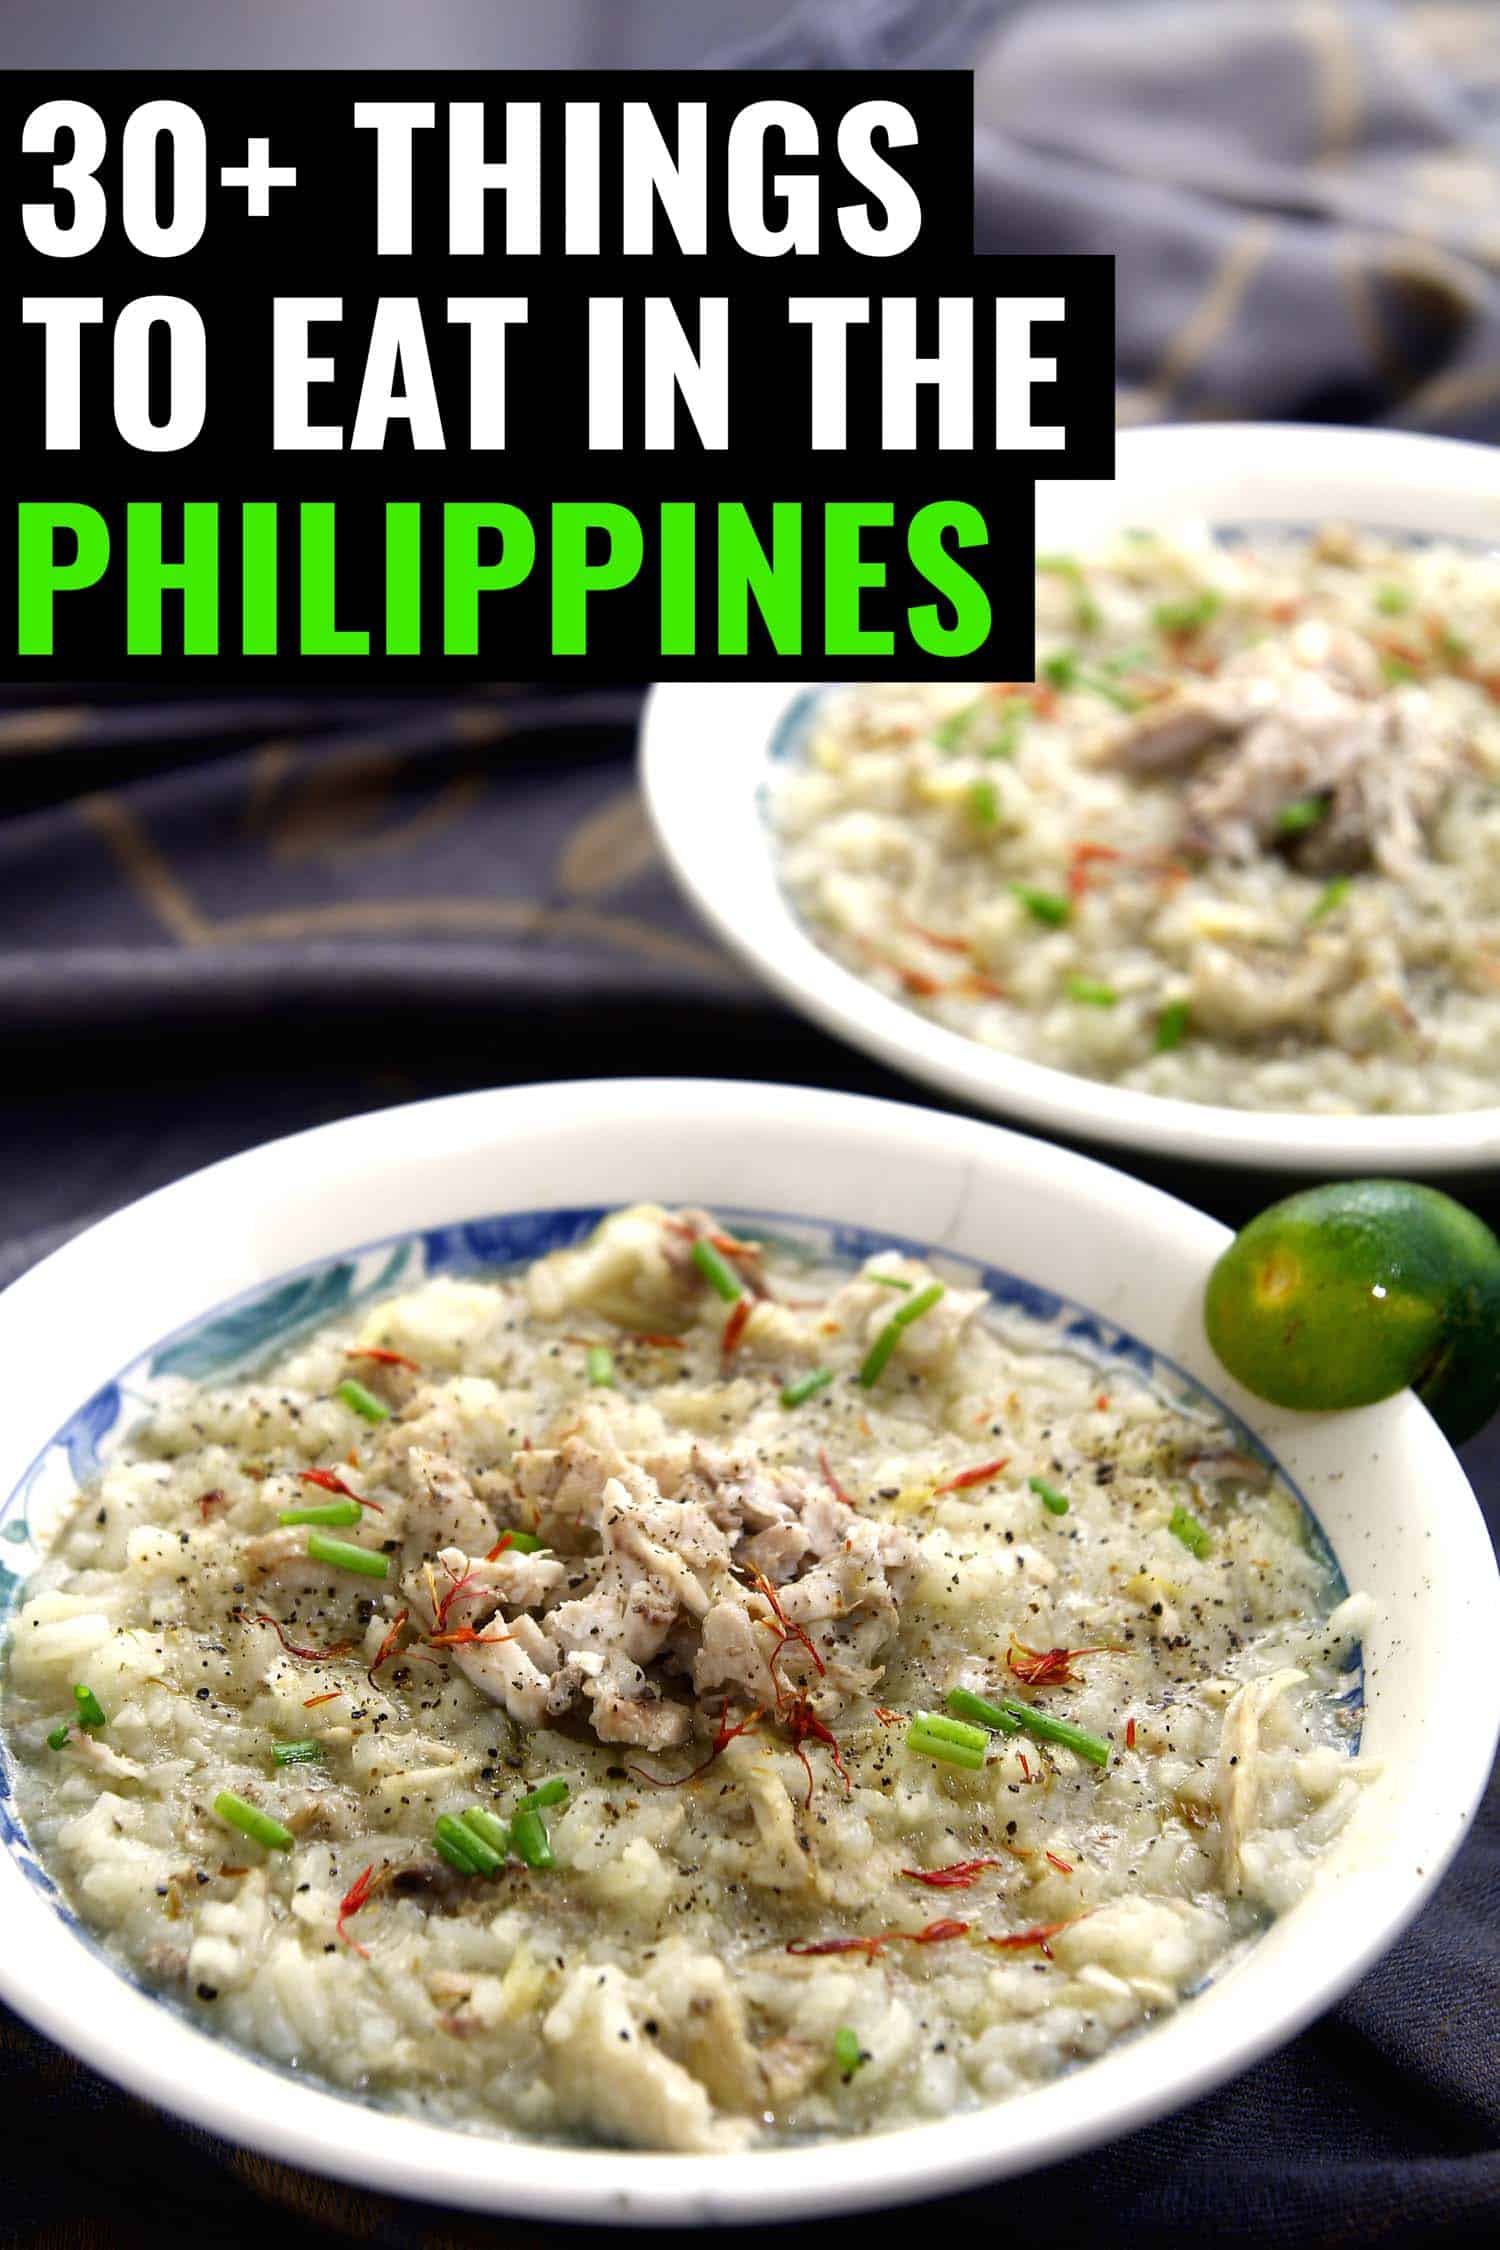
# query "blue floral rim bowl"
(216, 1272)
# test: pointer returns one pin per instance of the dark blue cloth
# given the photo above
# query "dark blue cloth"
(1302, 196)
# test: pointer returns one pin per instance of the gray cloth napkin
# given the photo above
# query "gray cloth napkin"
(1303, 196)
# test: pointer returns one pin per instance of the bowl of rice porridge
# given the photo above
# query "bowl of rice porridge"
(1223, 880)
(734, 1635)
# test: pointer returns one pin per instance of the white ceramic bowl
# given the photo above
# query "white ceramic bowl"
(1386, 1487)
(708, 763)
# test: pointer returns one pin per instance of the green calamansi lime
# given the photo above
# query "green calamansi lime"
(1344, 1294)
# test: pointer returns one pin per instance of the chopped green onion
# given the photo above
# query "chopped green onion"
(90, 1709)
(1189, 615)
(252, 1822)
(363, 1402)
(1119, 697)
(460, 1847)
(1172, 1025)
(717, 1272)
(1063, 670)
(553, 1792)
(1055, 1502)
(950, 1730)
(303, 1753)
(1195, 1536)
(848, 2054)
(1043, 906)
(1090, 992)
(490, 1830)
(1301, 814)
(58, 1738)
(523, 1543)
(1392, 601)
(599, 1366)
(982, 803)
(965, 1705)
(888, 1280)
(468, 1836)
(1010, 1718)
(1047, 1729)
(946, 1742)
(949, 732)
(344, 1555)
(1454, 646)
(336, 1511)
(528, 1839)
(1330, 898)
(890, 1336)
(1012, 718)
(1085, 608)
(807, 1386)
(1397, 669)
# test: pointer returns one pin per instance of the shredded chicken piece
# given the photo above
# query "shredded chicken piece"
(776, 1551)
(1305, 721)
(625, 1707)
(672, 1586)
(609, 2074)
(1250, 992)
(631, 1270)
(511, 1667)
(854, 1576)
(1168, 736)
(778, 1862)
(662, 1551)
(104, 1760)
(733, 1659)
(702, 2020)
(1226, 1465)
(443, 1510)
(1237, 1783)
(675, 1544)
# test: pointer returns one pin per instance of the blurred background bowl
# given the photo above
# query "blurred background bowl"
(1228, 476)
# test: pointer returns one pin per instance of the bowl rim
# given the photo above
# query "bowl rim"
(72, 1993)
(1416, 477)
